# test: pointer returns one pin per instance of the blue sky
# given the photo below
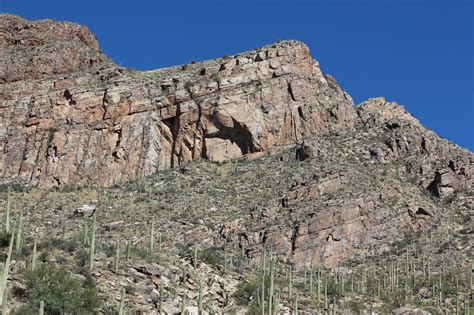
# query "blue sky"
(416, 52)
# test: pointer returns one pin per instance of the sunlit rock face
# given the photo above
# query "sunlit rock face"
(71, 116)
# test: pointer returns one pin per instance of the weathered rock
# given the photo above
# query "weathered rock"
(407, 310)
(306, 151)
(445, 183)
(99, 124)
(379, 110)
(339, 230)
(39, 49)
(232, 227)
(76, 118)
(85, 210)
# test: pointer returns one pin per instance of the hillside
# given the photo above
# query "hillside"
(217, 177)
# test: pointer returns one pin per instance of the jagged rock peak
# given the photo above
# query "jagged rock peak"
(378, 108)
(38, 49)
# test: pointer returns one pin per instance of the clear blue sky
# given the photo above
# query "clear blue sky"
(416, 52)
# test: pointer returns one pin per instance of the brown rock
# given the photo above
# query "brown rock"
(306, 151)
(31, 55)
(75, 117)
(445, 183)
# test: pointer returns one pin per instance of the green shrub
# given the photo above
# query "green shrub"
(356, 306)
(211, 256)
(61, 292)
(14, 187)
(4, 238)
(247, 290)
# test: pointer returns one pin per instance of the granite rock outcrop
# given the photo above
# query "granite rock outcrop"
(369, 172)
(68, 115)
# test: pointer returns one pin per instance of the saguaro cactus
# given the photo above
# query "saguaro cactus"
(296, 305)
(471, 273)
(33, 256)
(4, 302)
(122, 302)
(92, 248)
(160, 310)
(270, 290)
(160, 242)
(290, 283)
(195, 258)
(19, 231)
(183, 304)
(127, 251)
(225, 255)
(200, 299)
(262, 300)
(152, 236)
(85, 240)
(117, 257)
(7, 213)
(3, 282)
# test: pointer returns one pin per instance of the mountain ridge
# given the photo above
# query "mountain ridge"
(216, 109)
(242, 165)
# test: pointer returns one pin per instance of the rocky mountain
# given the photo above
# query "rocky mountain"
(71, 116)
(232, 159)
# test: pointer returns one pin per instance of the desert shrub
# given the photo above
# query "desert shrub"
(61, 292)
(247, 290)
(356, 306)
(254, 309)
(14, 188)
(246, 295)
(67, 245)
(4, 238)
(211, 256)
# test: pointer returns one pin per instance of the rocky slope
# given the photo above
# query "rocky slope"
(255, 153)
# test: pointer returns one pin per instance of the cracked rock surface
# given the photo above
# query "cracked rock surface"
(69, 115)
(231, 159)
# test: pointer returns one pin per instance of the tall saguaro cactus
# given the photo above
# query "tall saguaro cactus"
(290, 283)
(19, 231)
(152, 236)
(271, 289)
(33, 256)
(3, 282)
(200, 299)
(127, 252)
(4, 302)
(122, 302)
(92, 248)
(160, 307)
(7, 212)
(117, 257)
(225, 255)
(41, 310)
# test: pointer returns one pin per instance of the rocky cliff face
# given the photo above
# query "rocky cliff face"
(313, 180)
(71, 116)
(68, 115)
(362, 189)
